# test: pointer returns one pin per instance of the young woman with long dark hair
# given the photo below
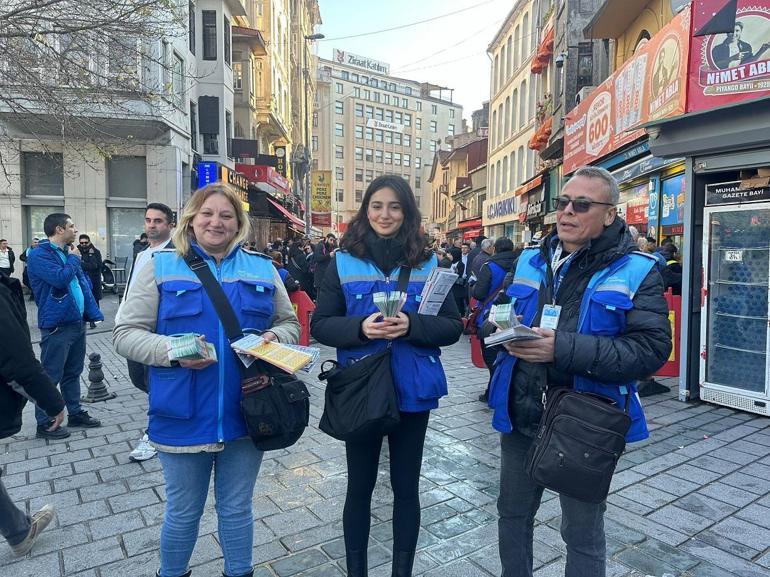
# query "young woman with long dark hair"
(384, 236)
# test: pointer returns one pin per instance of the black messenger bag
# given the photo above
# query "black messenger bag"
(579, 441)
(275, 404)
(360, 400)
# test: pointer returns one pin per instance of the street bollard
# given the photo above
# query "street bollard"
(97, 390)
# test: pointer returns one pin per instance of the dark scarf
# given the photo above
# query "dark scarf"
(387, 253)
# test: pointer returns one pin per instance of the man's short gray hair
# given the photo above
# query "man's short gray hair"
(601, 174)
(487, 243)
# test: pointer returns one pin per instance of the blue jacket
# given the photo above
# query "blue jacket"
(194, 407)
(50, 279)
(603, 310)
(419, 377)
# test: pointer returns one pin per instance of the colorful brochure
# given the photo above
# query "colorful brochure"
(290, 358)
(435, 291)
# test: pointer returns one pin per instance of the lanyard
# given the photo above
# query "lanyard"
(559, 266)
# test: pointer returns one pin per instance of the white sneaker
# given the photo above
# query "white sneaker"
(143, 450)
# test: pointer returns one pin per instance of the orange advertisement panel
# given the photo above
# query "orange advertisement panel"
(650, 85)
(729, 68)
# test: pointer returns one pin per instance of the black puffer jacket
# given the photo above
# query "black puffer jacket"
(504, 260)
(641, 351)
(19, 369)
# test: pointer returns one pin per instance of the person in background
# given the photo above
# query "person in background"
(672, 274)
(91, 261)
(475, 251)
(486, 250)
(158, 226)
(382, 237)
(288, 281)
(299, 267)
(196, 421)
(140, 244)
(7, 258)
(455, 250)
(444, 260)
(322, 255)
(64, 299)
(25, 275)
(21, 378)
(491, 281)
(463, 269)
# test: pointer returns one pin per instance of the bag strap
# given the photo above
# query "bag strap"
(218, 297)
(491, 297)
(403, 278)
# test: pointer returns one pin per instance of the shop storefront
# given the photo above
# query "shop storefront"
(532, 209)
(471, 229)
(501, 217)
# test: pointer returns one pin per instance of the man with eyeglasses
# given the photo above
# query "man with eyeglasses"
(599, 307)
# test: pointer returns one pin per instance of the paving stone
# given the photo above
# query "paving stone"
(83, 512)
(728, 545)
(36, 566)
(727, 494)
(463, 568)
(757, 514)
(116, 524)
(142, 540)
(748, 483)
(133, 500)
(292, 521)
(705, 507)
(91, 555)
(743, 532)
(665, 552)
(294, 564)
(650, 497)
(452, 527)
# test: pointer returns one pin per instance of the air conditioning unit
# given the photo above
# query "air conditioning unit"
(583, 94)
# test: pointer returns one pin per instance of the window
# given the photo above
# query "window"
(126, 177)
(339, 88)
(340, 195)
(433, 109)
(364, 79)
(376, 96)
(407, 160)
(367, 95)
(359, 195)
(359, 110)
(209, 18)
(516, 55)
(418, 123)
(397, 158)
(369, 112)
(315, 120)
(191, 26)
(418, 143)
(433, 126)
(237, 75)
(229, 132)
(194, 126)
(378, 113)
(451, 113)
(399, 117)
(354, 77)
(417, 162)
(178, 80)
(369, 133)
(404, 103)
(339, 107)
(388, 137)
(359, 131)
(407, 140)
(417, 201)
(418, 107)
(369, 155)
(378, 156)
(228, 55)
(450, 129)
(386, 98)
(524, 34)
(378, 135)
(43, 174)
(339, 129)
(523, 105)
(210, 143)
(359, 153)
(407, 119)
(339, 173)
(369, 175)
(388, 157)
(432, 146)
(339, 151)
(359, 174)
(417, 179)
(504, 182)
(389, 116)
(345, 75)
(315, 143)
(585, 67)
(508, 59)
(397, 138)
(357, 92)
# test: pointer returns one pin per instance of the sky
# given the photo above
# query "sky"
(449, 51)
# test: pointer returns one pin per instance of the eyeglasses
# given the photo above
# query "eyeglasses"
(578, 204)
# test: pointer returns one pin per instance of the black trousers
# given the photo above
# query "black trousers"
(489, 359)
(406, 445)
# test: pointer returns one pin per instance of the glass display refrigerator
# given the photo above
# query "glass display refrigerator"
(735, 359)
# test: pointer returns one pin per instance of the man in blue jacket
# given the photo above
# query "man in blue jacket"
(65, 301)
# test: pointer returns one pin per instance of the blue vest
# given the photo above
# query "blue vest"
(417, 371)
(603, 310)
(193, 407)
(495, 280)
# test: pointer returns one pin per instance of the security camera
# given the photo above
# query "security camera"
(559, 60)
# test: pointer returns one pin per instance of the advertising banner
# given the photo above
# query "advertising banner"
(729, 68)
(649, 86)
(321, 197)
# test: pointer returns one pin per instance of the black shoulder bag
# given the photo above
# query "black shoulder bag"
(360, 400)
(275, 405)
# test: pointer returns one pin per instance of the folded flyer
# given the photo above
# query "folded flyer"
(290, 358)
(435, 291)
(504, 317)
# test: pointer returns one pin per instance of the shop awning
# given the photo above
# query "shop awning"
(473, 223)
(531, 185)
(613, 18)
(473, 233)
(290, 217)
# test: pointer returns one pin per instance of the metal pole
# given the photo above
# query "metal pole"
(308, 212)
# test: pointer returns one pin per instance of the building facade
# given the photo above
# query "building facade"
(368, 123)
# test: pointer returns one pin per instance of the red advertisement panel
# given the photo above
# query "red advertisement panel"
(729, 68)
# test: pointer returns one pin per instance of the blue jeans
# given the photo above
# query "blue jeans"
(62, 354)
(582, 524)
(14, 523)
(187, 483)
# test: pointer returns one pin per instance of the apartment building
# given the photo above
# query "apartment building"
(367, 123)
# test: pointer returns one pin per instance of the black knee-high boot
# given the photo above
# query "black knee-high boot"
(358, 563)
(402, 563)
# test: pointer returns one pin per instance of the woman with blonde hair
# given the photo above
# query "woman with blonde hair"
(195, 416)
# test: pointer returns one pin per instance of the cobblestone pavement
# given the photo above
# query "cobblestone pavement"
(692, 501)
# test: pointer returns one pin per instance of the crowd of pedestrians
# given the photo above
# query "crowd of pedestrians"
(599, 337)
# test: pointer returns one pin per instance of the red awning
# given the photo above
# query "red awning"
(293, 219)
(474, 223)
(473, 233)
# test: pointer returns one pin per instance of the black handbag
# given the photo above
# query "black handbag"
(579, 441)
(275, 404)
(360, 400)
